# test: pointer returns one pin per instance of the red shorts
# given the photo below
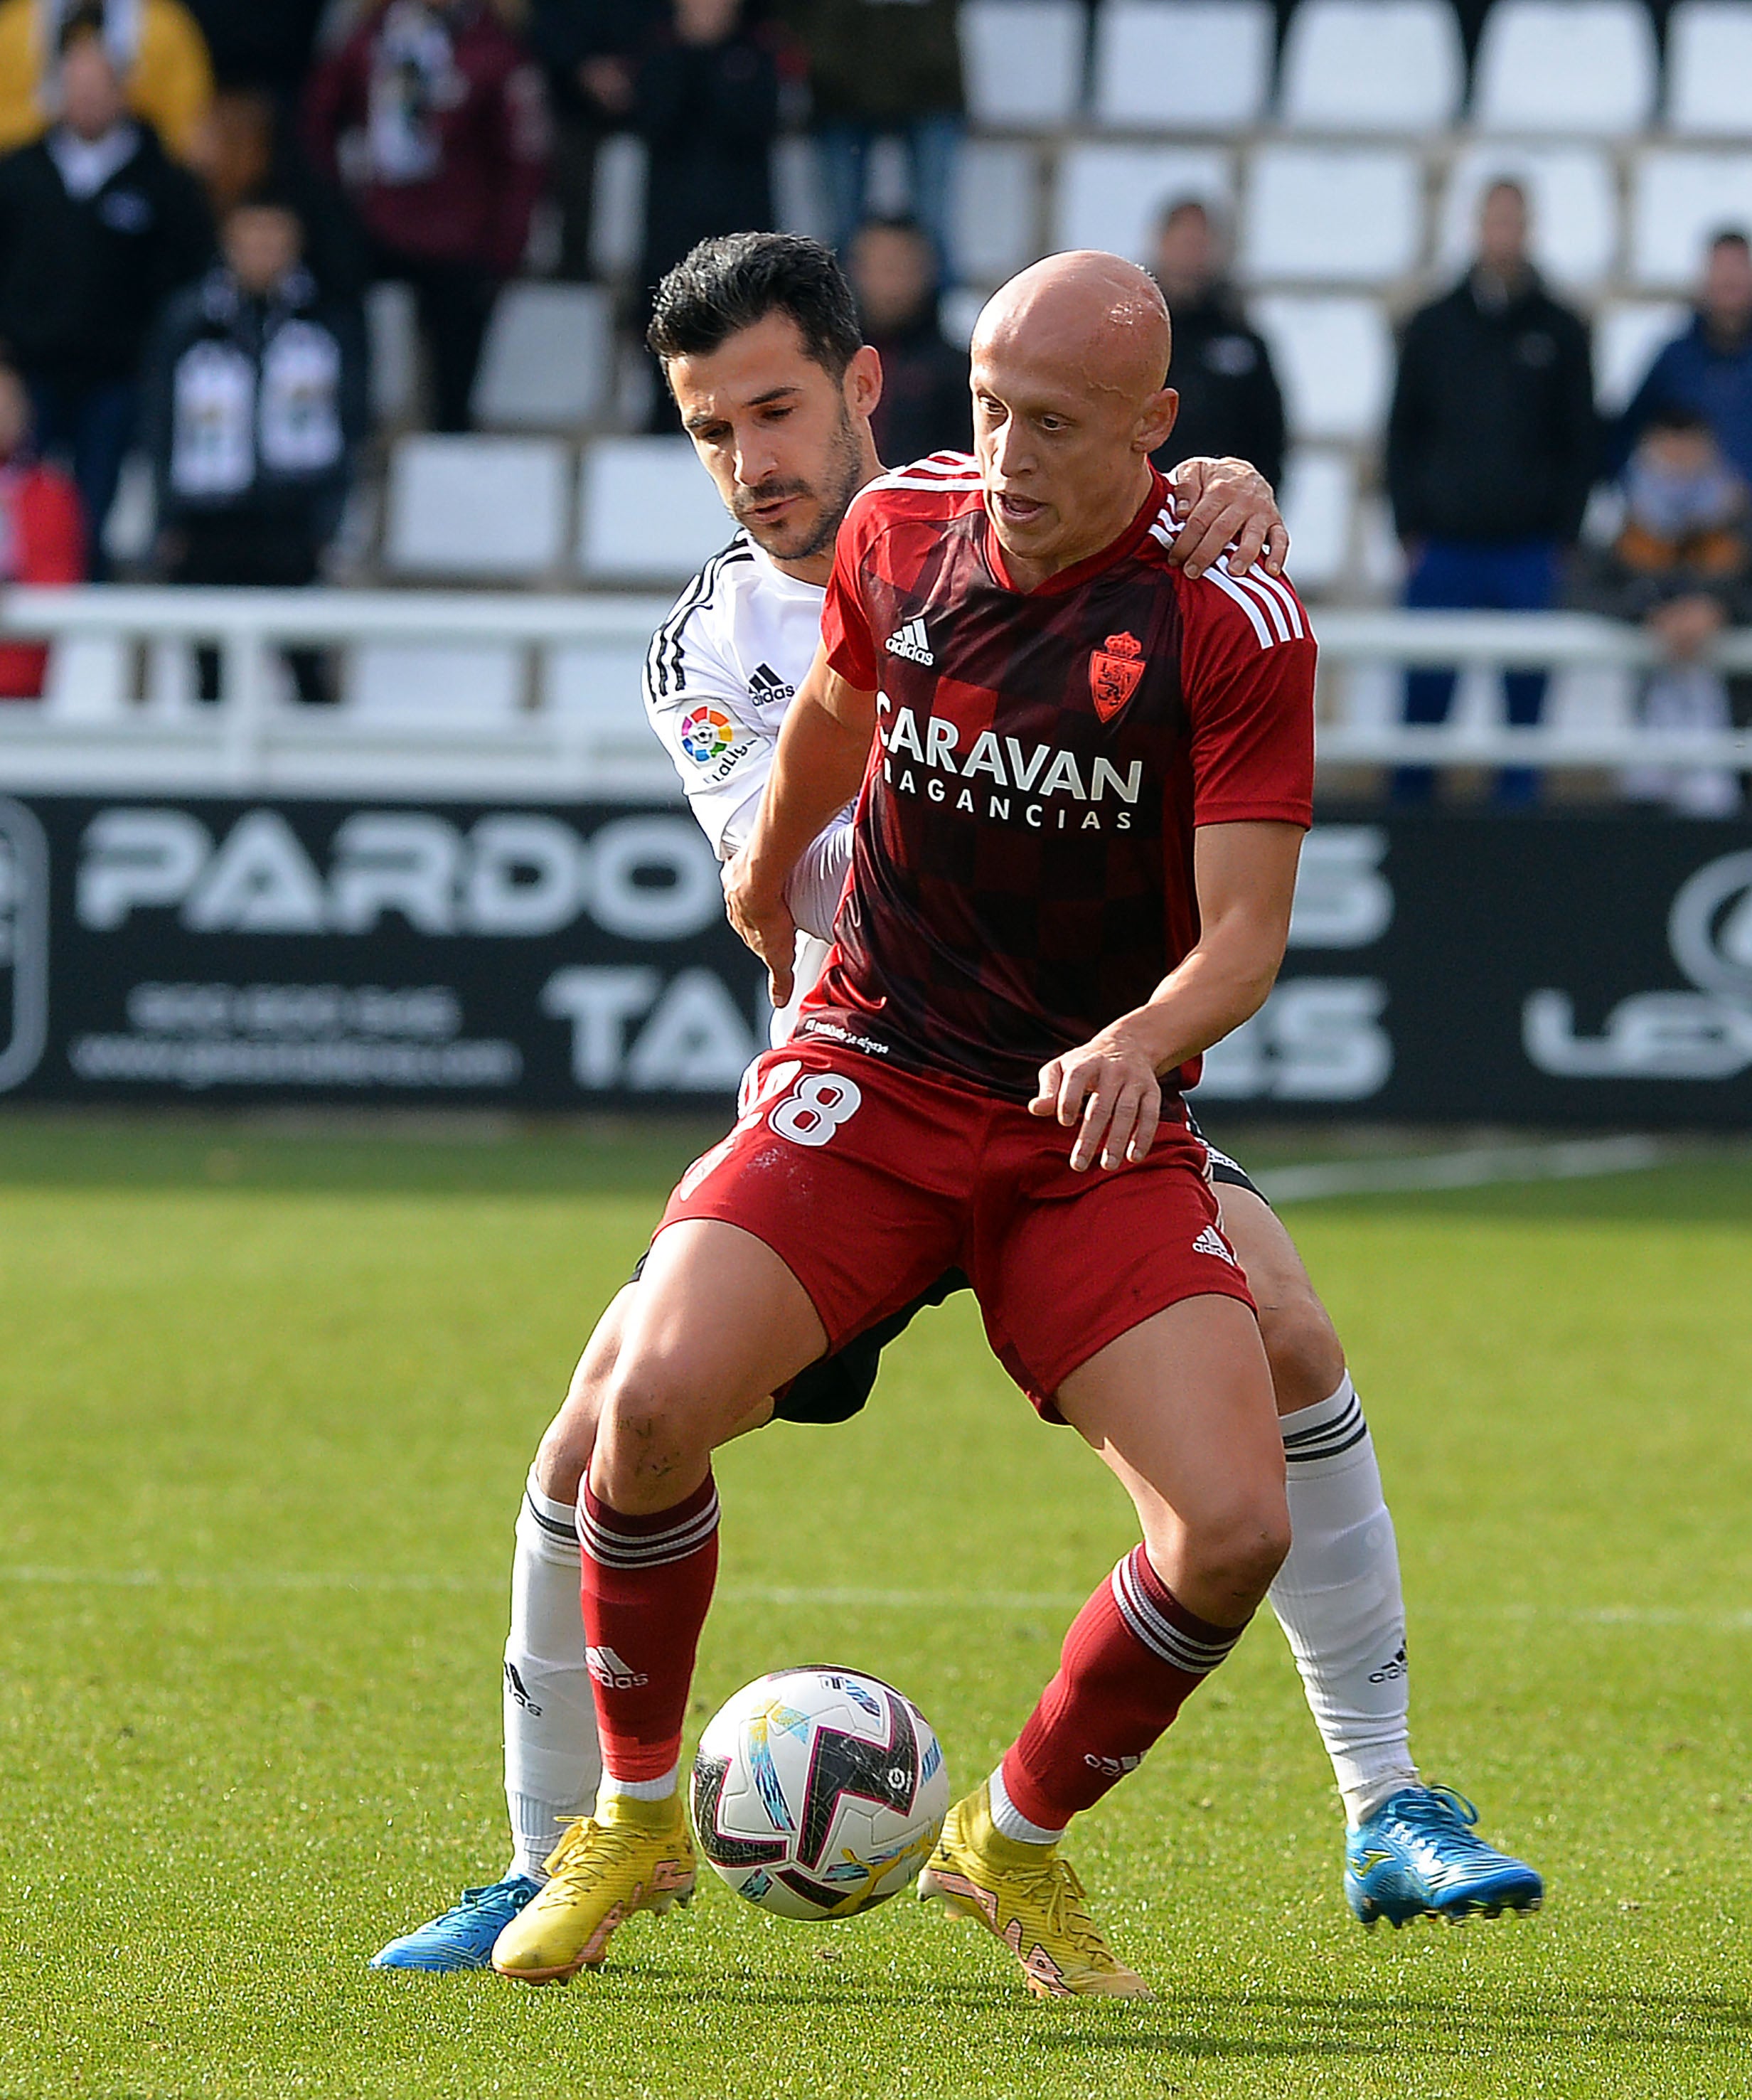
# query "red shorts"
(868, 1183)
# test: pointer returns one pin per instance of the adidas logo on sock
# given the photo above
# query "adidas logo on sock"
(764, 684)
(1211, 1241)
(912, 642)
(518, 1690)
(611, 1672)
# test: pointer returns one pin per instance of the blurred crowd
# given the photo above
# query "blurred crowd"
(195, 196)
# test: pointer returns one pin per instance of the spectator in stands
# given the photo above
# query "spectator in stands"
(98, 226)
(1708, 369)
(1681, 566)
(925, 405)
(249, 144)
(589, 49)
(255, 405)
(434, 115)
(41, 537)
(885, 68)
(156, 46)
(706, 101)
(1230, 405)
(1492, 446)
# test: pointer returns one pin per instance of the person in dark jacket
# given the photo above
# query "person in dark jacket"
(256, 403)
(706, 102)
(1491, 447)
(1680, 566)
(590, 53)
(1230, 405)
(434, 115)
(925, 405)
(98, 226)
(1709, 368)
(885, 68)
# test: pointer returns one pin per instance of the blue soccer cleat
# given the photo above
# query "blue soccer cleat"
(1418, 1856)
(463, 1937)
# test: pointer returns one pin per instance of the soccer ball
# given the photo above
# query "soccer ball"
(817, 1794)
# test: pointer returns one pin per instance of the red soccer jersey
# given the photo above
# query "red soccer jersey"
(1022, 862)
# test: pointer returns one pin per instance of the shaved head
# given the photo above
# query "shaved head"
(1068, 365)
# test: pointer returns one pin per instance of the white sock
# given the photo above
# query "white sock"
(640, 1789)
(552, 1763)
(1009, 1819)
(1338, 1599)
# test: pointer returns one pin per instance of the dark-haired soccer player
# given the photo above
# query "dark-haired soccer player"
(761, 339)
(1088, 767)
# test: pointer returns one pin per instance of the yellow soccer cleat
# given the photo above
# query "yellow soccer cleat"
(632, 1855)
(1031, 1899)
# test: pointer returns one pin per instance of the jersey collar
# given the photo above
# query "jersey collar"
(1080, 572)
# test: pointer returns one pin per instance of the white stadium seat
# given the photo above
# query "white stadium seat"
(395, 340)
(617, 204)
(1627, 334)
(1111, 196)
(548, 362)
(649, 512)
(1710, 69)
(1024, 62)
(1331, 215)
(1579, 66)
(1181, 65)
(1334, 358)
(478, 506)
(1678, 200)
(400, 685)
(997, 210)
(1371, 65)
(1319, 500)
(1573, 197)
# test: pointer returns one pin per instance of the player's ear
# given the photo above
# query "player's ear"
(864, 381)
(1157, 419)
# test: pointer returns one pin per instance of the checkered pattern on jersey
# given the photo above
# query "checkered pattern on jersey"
(1022, 862)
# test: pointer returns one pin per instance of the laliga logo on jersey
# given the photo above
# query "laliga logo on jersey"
(1701, 1035)
(1113, 673)
(706, 734)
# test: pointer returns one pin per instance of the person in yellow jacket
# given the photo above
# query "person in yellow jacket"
(157, 49)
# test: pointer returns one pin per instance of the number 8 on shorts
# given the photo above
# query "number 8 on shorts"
(815, 1108)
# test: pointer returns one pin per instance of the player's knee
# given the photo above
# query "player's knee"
(1239, 1548)
(1303, 1347)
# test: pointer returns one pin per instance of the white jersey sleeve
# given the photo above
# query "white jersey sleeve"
(702, 708)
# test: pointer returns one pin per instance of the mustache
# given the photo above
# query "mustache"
(746, 501)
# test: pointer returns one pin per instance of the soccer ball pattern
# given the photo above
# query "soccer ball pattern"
(819, 1792)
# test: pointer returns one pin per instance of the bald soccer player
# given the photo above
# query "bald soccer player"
(1079, 767)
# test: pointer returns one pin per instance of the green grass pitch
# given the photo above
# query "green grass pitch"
(266, 1404)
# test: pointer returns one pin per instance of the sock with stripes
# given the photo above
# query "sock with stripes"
(647, 1583)
(551, 1764)
(1133, 1653)
(1338, 1599)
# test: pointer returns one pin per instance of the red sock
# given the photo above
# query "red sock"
(1133, 1653)
(646, 1582)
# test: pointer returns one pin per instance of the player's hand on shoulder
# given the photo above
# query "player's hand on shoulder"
(1225, 503)
(1109, 1090)
(762, 919)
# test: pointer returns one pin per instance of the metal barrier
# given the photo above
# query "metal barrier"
(565, 719)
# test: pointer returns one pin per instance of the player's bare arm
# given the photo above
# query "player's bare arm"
(1110, 1088)
(1228, 506)
(818, 766)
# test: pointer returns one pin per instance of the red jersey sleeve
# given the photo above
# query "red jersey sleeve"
(1247, 673)
(845, 631)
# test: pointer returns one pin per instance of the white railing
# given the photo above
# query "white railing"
(563, 719)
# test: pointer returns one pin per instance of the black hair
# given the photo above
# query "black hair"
(1676, 416)
(1176, 207)
(729, 283)
(82, 23)
(1729, 236)
(1505, 182)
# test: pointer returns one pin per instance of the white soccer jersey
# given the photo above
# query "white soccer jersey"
(719, 676)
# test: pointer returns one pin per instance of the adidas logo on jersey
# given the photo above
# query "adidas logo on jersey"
(913, 643)
(765, 684)
(1210, 1241)
(612, 1672)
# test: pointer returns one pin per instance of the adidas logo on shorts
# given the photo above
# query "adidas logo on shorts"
(1211, 1241)
(912, 642)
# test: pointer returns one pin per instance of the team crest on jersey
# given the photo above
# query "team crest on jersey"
(706, 734)
(1114, 672)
